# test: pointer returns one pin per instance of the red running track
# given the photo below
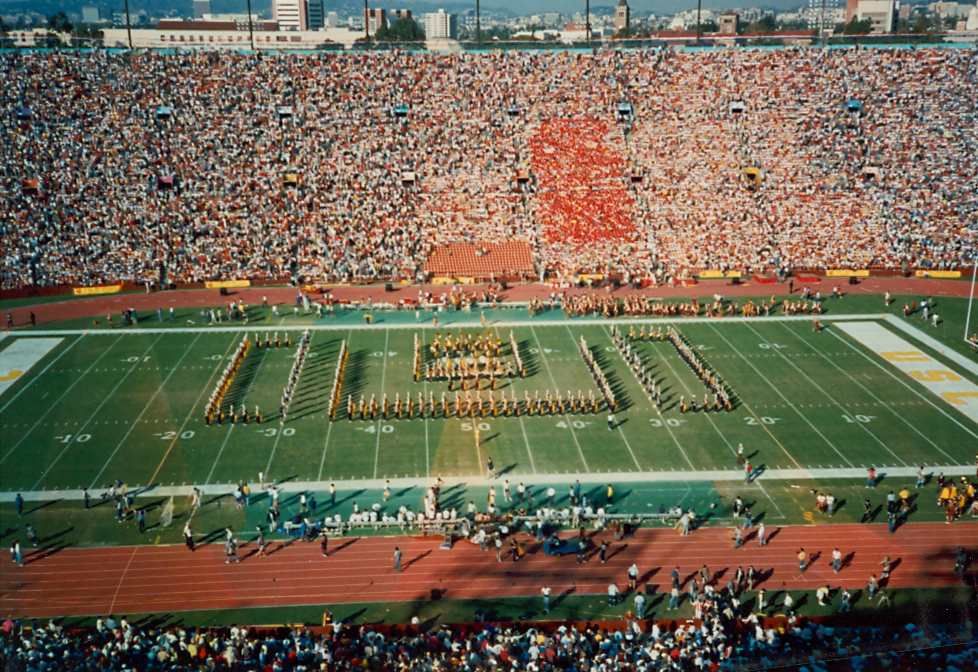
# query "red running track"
(167, 579)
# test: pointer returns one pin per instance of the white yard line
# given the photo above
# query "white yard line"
(58, 400)
(526, 439)
(105, 399)
(787, 401)
(827, 396)
(424, 400)
(141, 413)
(870, 393)
(43, 371)
(329, 429)
(264, 356)
(383, 379)
(281, 424)
(904, 383)
(570, 425)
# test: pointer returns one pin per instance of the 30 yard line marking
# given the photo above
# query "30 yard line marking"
(47, 470)
(329, 429)
(829, 397)
(773, 387)
(880, 401)
(43, 371)
(141, 413)
(244, 399)
(281, 425)
(383, 379)
(570, 424)
(203, 391)
(526, 439)
(58, 400)
(905, 384)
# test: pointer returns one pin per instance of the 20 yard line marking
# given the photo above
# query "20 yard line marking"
(58, 400)
(829, 397)
(870, 392)
(383, 379)
(47, 470)
(773, 387)
(133, 426)
(570, 424)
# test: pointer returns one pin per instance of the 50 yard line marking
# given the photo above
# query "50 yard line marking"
(570, 424)
(47, 470)
(58, 400)
(329, 429)
(870, 392)
(203, 391)
(143, 412)
(383, 378)
(826, 395)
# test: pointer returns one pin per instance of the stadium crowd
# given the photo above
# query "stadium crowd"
(357, 166)
(119, 645)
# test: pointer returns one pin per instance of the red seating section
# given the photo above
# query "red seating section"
(467, 259)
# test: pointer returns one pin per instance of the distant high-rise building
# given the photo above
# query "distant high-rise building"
(622, 15)
(290, 14)
(815, 13)
(315, 18)
(397, 14)
(375, 19)
(201, 7)
(332, 20)
(90, 15)
(441, 25)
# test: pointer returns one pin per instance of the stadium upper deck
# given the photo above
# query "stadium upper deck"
(357, 166)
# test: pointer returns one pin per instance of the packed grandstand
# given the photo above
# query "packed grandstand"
(359, 167)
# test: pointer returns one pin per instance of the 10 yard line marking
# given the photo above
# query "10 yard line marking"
(203, 391)
(63, 395)
(900, 417)
(133, 425)
(329, 429)
(829, 397)
(95, 412)
(383, 378)
(526, 439)
(244, 399)
(570, 424)
(37, 377)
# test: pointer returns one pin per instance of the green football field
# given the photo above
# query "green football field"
(128, 403)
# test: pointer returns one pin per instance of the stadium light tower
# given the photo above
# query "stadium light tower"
(251, 32)
(128, 25)
(478, 26)
(366, 22)
(699, 5)
(587, 20)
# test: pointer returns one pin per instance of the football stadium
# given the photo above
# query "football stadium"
(404, 360)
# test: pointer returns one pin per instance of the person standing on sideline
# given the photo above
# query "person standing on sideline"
(387, 490)
(921, 478)
(738, 538)
(324, 544)
(871, 478)
(761, 541)
(836, 560)
(845, 605)
(802, 559)
(141, 519)
(789, 602)
(16, 554)
(867, 512)
(611, 421)
(545, 591)
(748, 472)
(872, 586)
(610, 495)
(19, 501)
(332, 494)
(490, 468)
(499, 548)
(261, 543)
(612, 594)
(674, 598)
(261, 480)
(507, 494)
(604, 550)
(397, 558)
(740, 453)
(86, 497)
(633, 577)
(581, 550)
(171, 314)
(639, 605)
(675, 577)
(231, 550)
(188, 536)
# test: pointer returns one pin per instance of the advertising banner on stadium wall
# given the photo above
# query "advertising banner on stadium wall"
(229, 284)
(844, 273)
(108, 289)
(938, 274)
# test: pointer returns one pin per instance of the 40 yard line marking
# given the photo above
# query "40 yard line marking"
(141, 413)
(383, 379)
(870, 392)
(63, 395)
(827, 396)
(203, 391)
(570, 424)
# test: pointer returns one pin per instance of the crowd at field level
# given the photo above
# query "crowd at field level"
(88, 204)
